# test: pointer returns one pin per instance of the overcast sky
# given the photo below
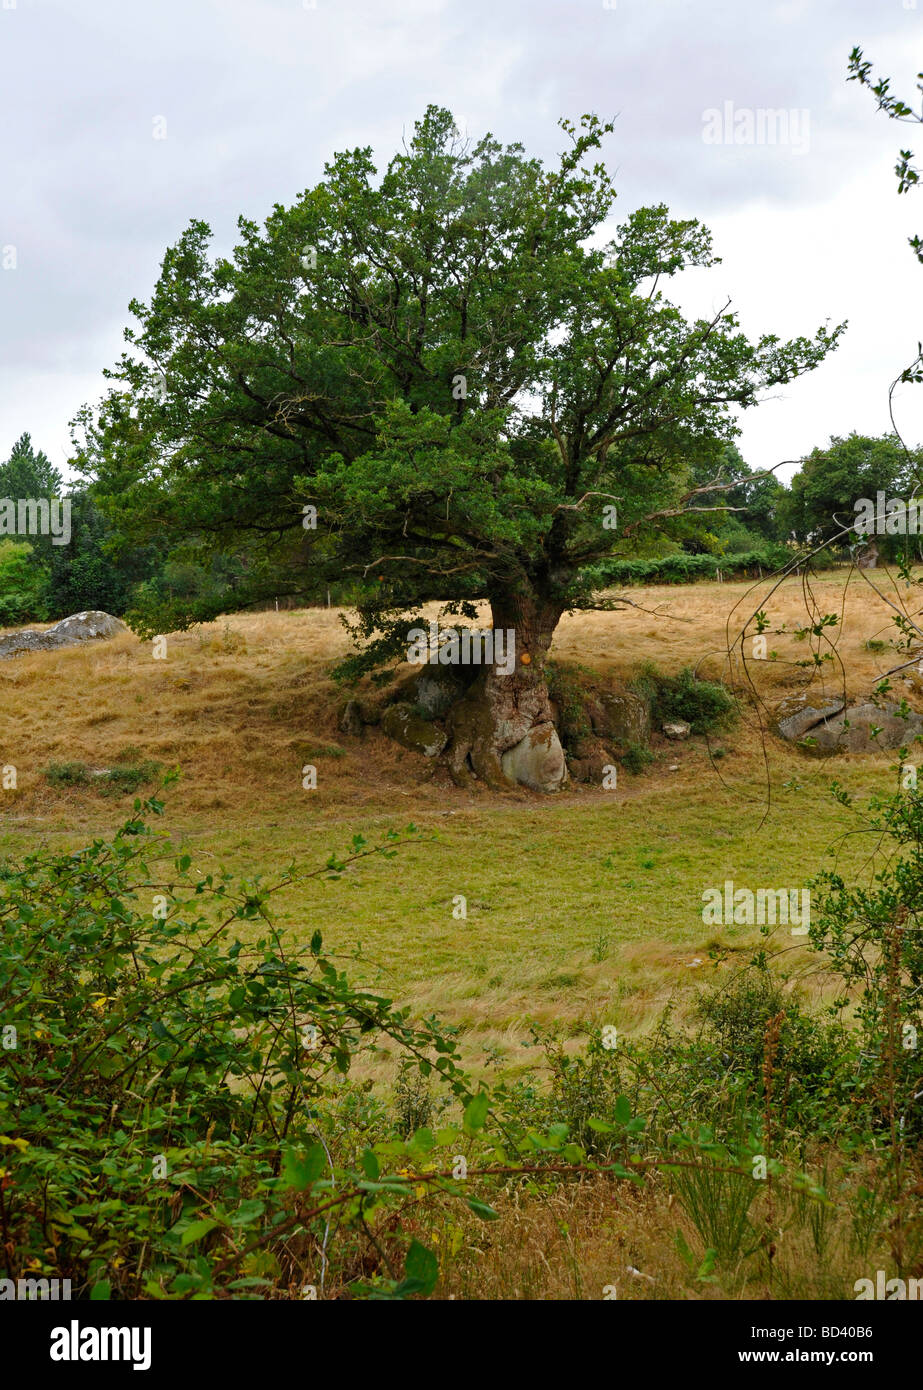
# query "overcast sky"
(254, 95)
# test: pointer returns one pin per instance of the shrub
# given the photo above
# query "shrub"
(681, 568)
(583, 1088)
(707, 706)
(814, 1061)
(166, 1058)
(636, 758)
(872, 936)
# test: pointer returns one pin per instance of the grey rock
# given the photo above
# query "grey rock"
(794, 716)
(401, 722)
(80, 627)
(350, 720)
(537, 761)
(677, 729)
(436, 690)
(433, 689)
(620, 716)
(852, 731)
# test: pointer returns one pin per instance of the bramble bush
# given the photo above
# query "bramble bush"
(165, 1057)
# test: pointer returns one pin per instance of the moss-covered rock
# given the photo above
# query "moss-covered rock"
(620, 717)
(406, 726)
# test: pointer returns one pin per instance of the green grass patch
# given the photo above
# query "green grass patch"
(112, 781)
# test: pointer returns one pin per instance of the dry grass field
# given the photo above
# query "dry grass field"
(582, 908)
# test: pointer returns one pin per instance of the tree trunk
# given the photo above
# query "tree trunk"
(509, 712)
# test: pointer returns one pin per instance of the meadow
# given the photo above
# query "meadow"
(583, 910)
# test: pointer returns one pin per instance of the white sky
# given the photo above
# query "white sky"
(257, 94)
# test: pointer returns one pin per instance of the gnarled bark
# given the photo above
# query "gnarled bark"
(505, 712)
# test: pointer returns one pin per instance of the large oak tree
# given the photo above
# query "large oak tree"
(481, 397)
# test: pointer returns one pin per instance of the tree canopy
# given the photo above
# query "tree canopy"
(821, 502)
(443, 364)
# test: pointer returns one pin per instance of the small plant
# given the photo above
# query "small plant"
(600, 947)
(717, 1202)
(413, 1100)
(67, 774)
(583, 1089)
(121, 780)
(636, 758)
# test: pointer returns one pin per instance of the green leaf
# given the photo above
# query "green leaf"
(370, 1165)
(682, 1246)
(422, 1141)
(101, 1290)
(623, 1110)
(481, 1209)
(421, 1266)
(197, 1229)
(476, 1112)
(299, 1170)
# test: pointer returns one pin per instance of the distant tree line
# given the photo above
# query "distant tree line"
(819, 508)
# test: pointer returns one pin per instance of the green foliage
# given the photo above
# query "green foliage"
(821, 503)
(459, 419)
(41, 580)
(752, 515)
(873, 937)
(177, 1118)
(684, 569)
(707, 706)
(23, 585)
(809, 1052)
(908, 175)
(90, 572)
(636, 758)
(414, 1105)
(584, 1087)
(29, 474)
